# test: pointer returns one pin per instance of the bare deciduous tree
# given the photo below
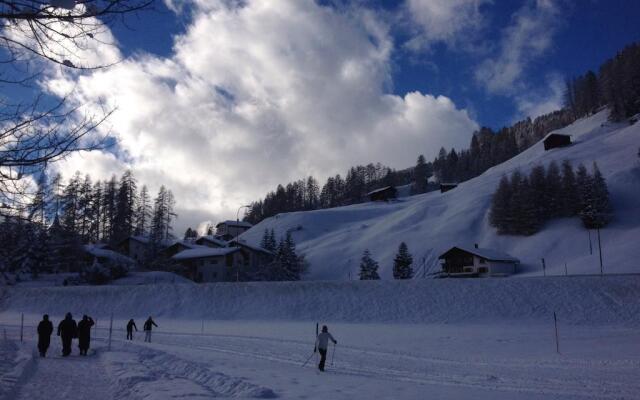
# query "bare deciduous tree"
(35, 127)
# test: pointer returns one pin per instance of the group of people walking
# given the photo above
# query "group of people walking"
(68, 330)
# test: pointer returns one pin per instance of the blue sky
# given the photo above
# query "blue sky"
(223, 100)
(587, 33)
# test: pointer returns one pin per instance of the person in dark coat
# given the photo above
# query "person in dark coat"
(131, 325)
(45, 329)
(67, 330)
(84, 334)
(149, 323)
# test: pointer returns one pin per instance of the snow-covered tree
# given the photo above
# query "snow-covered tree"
(402, 263)
(368, 267)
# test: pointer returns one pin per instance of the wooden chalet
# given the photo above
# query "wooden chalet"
(463, 261)
(383, 194)
(554, 140)
(445, 187)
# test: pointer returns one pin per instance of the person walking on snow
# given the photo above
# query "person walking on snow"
(130, 326)
(45, 329)
(322, 344)
(84, 334)
(67, 330)
(149, 323)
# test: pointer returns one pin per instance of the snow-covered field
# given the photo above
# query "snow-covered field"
(418, 339)
(440, 339)
(333, 239)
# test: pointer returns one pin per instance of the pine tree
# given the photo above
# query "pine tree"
(539, 192)
(420, 175)
(143, 212)
(368, 267)
(124, 218)
(585, 194)
(402, 263)
(501, 206)
(569, 198)
(553, 191)
(598, 212)
(264, 243)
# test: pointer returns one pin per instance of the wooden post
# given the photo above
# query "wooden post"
(110, 332)
(21, 327)
(566, 273)
(555, 322)
(202, 328)
(600, 252)
(544, 268)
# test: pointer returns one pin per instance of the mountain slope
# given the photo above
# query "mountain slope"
(334, 239)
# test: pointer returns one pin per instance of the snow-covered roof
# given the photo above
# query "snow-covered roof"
(380, 190)
(242, 224)
(204, 251)
(250, 246)
(488, 254)
(213, 239)
(98, 251)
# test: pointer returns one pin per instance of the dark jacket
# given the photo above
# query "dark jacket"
(45, 329)
(68, 328)
(131, 325)
(84, 328)
(148, 324)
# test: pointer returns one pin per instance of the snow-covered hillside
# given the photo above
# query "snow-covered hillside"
(333, 239)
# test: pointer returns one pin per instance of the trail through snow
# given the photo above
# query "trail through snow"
(57, 377)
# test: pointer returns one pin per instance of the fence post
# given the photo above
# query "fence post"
(566, 273)
(110, 331)
(555, 322)
(21, 327)
(202, 328)
(544, 268)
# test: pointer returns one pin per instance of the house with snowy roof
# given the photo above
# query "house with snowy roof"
(211, 241)
(476, 261)
(383, 194)
(210, 264)
(228, 230)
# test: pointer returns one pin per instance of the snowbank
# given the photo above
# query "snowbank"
(333, 239)
(592, 300)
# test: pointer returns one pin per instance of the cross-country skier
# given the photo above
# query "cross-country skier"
(131, 325)
(322, 343)
(149, 323)
(45, 329)
(67, 330)
(84, 334)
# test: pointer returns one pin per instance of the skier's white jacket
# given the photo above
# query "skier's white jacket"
(322, 342)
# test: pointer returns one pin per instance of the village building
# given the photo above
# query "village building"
(228, 230)
(445, 187)
(135, 247)
(554, 140)
(103, 254)
(254, 256)
(211, 241)
(383, 194)
(210, 264)
(474, 261)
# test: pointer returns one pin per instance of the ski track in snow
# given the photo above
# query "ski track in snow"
(554, 378)
(72, 377)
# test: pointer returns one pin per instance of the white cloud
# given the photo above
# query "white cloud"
(260, 94)
(529, 36)
(444, 20)
(534, 103)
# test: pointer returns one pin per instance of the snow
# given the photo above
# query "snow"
(480, 339)
(609, 300)
(333, 240)
(203, 251)
(489, 254)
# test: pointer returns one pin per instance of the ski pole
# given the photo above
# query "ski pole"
(333, 354)
(305, 363)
